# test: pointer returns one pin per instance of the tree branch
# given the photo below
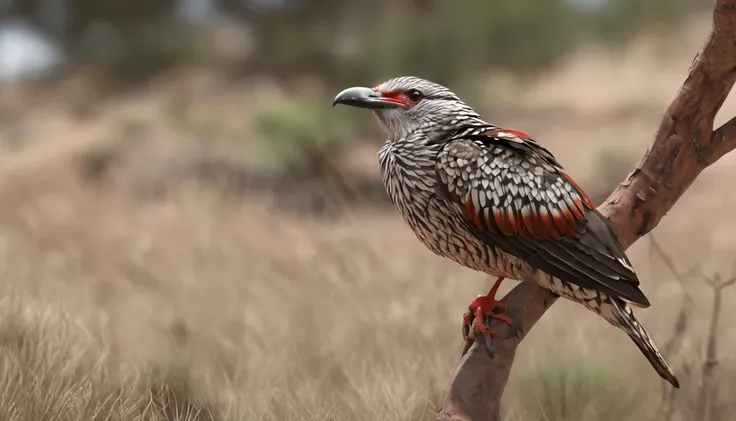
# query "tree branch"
(685, 144)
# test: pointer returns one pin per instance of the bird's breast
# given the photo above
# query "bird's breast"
(409, 176)
(410, 181)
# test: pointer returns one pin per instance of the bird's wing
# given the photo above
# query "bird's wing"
(513, 194)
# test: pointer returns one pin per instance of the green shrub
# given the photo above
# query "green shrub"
(306, 135)
(567, 389)
(173, 390)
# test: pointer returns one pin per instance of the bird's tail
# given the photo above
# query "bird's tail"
(628, 321)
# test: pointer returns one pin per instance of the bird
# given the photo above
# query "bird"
(497, 201)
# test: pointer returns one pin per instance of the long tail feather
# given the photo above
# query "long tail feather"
(625, 316)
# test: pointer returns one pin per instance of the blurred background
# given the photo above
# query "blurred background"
(189, 230)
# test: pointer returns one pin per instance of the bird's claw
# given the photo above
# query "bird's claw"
(491, 350)
(467, 323)
(482, 317)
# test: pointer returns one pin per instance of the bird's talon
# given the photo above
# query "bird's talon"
(504, 318)
(467, 323)
(491, 351)
(481, 311)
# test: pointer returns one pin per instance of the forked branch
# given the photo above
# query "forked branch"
(685, 144)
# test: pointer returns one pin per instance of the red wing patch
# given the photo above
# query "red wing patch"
(506, 133)
(566, 223)
(503, 221)
(519, 196)
(586, 199)
(532, 222)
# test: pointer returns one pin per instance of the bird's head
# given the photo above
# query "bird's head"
(407, 103)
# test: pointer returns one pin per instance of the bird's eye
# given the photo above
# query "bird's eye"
(414, 95)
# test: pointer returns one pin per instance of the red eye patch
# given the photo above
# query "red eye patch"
(398, 97)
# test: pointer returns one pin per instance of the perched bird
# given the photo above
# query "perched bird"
(496, 201)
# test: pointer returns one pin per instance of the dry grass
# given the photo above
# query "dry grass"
(191, 305)
(53, 369)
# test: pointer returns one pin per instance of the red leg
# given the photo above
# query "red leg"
(481, 308)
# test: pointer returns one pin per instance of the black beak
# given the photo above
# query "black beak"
(365, 98)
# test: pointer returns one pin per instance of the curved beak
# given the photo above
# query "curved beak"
(365, 98)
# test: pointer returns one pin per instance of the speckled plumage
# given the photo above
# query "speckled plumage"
(496, 201)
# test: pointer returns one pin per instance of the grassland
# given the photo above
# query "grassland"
(136, 290)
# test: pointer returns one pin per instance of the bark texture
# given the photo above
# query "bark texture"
(685, 144)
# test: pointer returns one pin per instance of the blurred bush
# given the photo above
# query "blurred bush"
(568, 389)
(134, 52)
(304, 138)
(128, 39)
(612, 165)
(617, 20)
(346, 42)
(175, 390)
(349, 42)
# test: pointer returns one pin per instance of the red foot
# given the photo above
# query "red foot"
(481, 308)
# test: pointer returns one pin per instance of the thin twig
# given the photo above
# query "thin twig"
(674, 344)
(711, 358)
(681, 277)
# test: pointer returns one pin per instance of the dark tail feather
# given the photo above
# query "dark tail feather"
(645, 344)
